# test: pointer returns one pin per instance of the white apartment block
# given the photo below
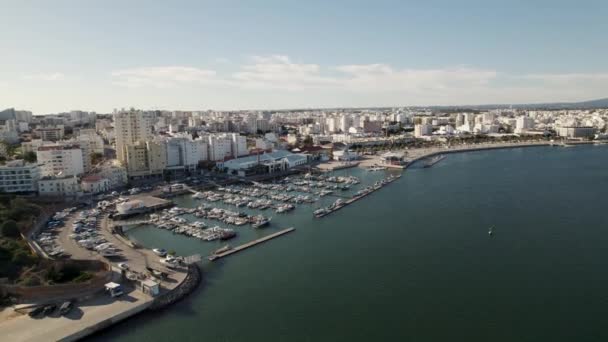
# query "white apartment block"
(220, 147)
(66, 160)
(19, 176)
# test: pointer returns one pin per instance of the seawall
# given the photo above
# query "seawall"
(434, 153)
(190, 283)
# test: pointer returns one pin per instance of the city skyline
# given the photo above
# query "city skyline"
(283, 55)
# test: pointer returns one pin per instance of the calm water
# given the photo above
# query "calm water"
(414, 261)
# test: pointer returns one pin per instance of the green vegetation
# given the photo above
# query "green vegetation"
(96, 158)
(10, 229)
(16, 258)
(66, 274)
(29, 157)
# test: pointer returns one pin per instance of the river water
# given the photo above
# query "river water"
(414, 260)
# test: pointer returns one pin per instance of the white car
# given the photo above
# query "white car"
(123, 266)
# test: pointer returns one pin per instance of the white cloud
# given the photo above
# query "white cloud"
(279, 72)
(162, 77)
(367, 84)
(54, 76)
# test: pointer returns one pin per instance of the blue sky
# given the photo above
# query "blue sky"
(100, 55)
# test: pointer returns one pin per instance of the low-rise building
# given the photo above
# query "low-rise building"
(264, 163)
(94, 184)
(58, 186)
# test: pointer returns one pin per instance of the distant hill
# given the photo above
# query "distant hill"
(591, 104)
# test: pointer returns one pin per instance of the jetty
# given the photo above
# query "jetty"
(357, 197)
(244, 246)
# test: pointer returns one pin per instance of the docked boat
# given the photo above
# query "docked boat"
(227, 234)
(376, 168)
(320, 212)
(160, 251)
(261, 223)
(198, 195)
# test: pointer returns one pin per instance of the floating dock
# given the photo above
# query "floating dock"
(244, 246)
(356, 198)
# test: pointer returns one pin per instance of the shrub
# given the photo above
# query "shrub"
(84, 276)
(9, 229)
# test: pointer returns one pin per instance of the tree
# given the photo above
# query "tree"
(9, 229)
(308, 141)
(30, 157)
(96, 157)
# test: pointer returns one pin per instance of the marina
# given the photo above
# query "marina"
(339, 204)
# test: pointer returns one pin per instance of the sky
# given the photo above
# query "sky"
(59, 55)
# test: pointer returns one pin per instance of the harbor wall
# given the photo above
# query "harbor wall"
(86, 331)
(432, 154)
(192, 280)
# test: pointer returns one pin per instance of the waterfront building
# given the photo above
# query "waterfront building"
(19, 176)
(421, 130)
(64, 159)
(576, 132)
(95, 184)
(146, 159)
(114, 172)
(220, 147)
(264, 163)
(63, 185)
(524, 124)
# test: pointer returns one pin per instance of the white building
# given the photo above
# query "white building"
(265, 163)
(56, 159)
(421, 130)
(220, 147)
(58, 186)
(50, 133)
(523, 124)
(115, 173)
(19, 176)
(239, 145)
(95, 184)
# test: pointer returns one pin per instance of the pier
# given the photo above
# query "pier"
(356, 198)
(244, 246)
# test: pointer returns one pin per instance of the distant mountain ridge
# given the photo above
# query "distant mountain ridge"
(591, 104)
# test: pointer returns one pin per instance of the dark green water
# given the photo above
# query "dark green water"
(414, 261)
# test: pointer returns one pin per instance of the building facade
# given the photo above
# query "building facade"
(19, 176)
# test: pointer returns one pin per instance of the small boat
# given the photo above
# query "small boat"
(490, 231)
(261, 223)
(160, 251)
(198, 195)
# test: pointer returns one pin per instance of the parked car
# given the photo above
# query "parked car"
(36, 312)
(65, 307)
(49, 309)
(123, 266)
